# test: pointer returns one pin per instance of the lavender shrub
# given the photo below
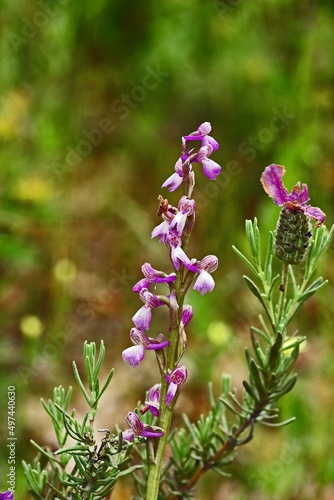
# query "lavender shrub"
(89, 470)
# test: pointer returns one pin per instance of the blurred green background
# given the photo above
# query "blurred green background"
(95, 97)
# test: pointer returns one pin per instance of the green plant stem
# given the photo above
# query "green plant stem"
(282, 299)
(166, 412)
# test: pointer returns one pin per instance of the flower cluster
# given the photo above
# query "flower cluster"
(293, 229)
(173, 231)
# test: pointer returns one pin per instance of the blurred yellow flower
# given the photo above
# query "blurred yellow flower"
(65, 270)
(36, 189)
(219, 333)
(31, 326)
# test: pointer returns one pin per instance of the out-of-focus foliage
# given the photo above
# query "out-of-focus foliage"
(94, 99)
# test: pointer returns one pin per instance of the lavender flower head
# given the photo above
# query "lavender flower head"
(271, 180)
(293, 228)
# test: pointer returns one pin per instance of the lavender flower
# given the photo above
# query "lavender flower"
(271, 180)
(205, 282)
(175, 379)
(137, 428)
(141, 342)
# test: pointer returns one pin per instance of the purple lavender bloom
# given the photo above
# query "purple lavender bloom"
(175, 379)
(151, 275)
(142, 318)
(205, 282)
(272, 183)
(186, 207)
(153, 399)
(137, 428)
(8, 495)
(141, 342)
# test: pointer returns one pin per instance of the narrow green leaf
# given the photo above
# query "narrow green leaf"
(255, 290)
(107, 382)
(255, 375)
(269, 258)
(99, 361)
(244, 259)
(250, 391)
(274, 351)
(80, 383)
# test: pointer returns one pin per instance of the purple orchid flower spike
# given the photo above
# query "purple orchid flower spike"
(137, 428)
(8, 495)
(271, 180)
(141, 342)
(205, 282)
(175, 379)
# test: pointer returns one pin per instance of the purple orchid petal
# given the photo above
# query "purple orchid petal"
(210, 140)
(204, 129)
(179, 375)
(156, 347)
(142, 318)
(133, 355)
(135, 423)
(161, 230)
(173, 182)
(271, 180)
(171, 391)
(211, 169)
(204, 283)
(153, 399)
(8, 495)
(128, 435)
(179, 222)
(178, 255)
(151, 433)
(187, 314)
(208, 263)
(143, 283)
